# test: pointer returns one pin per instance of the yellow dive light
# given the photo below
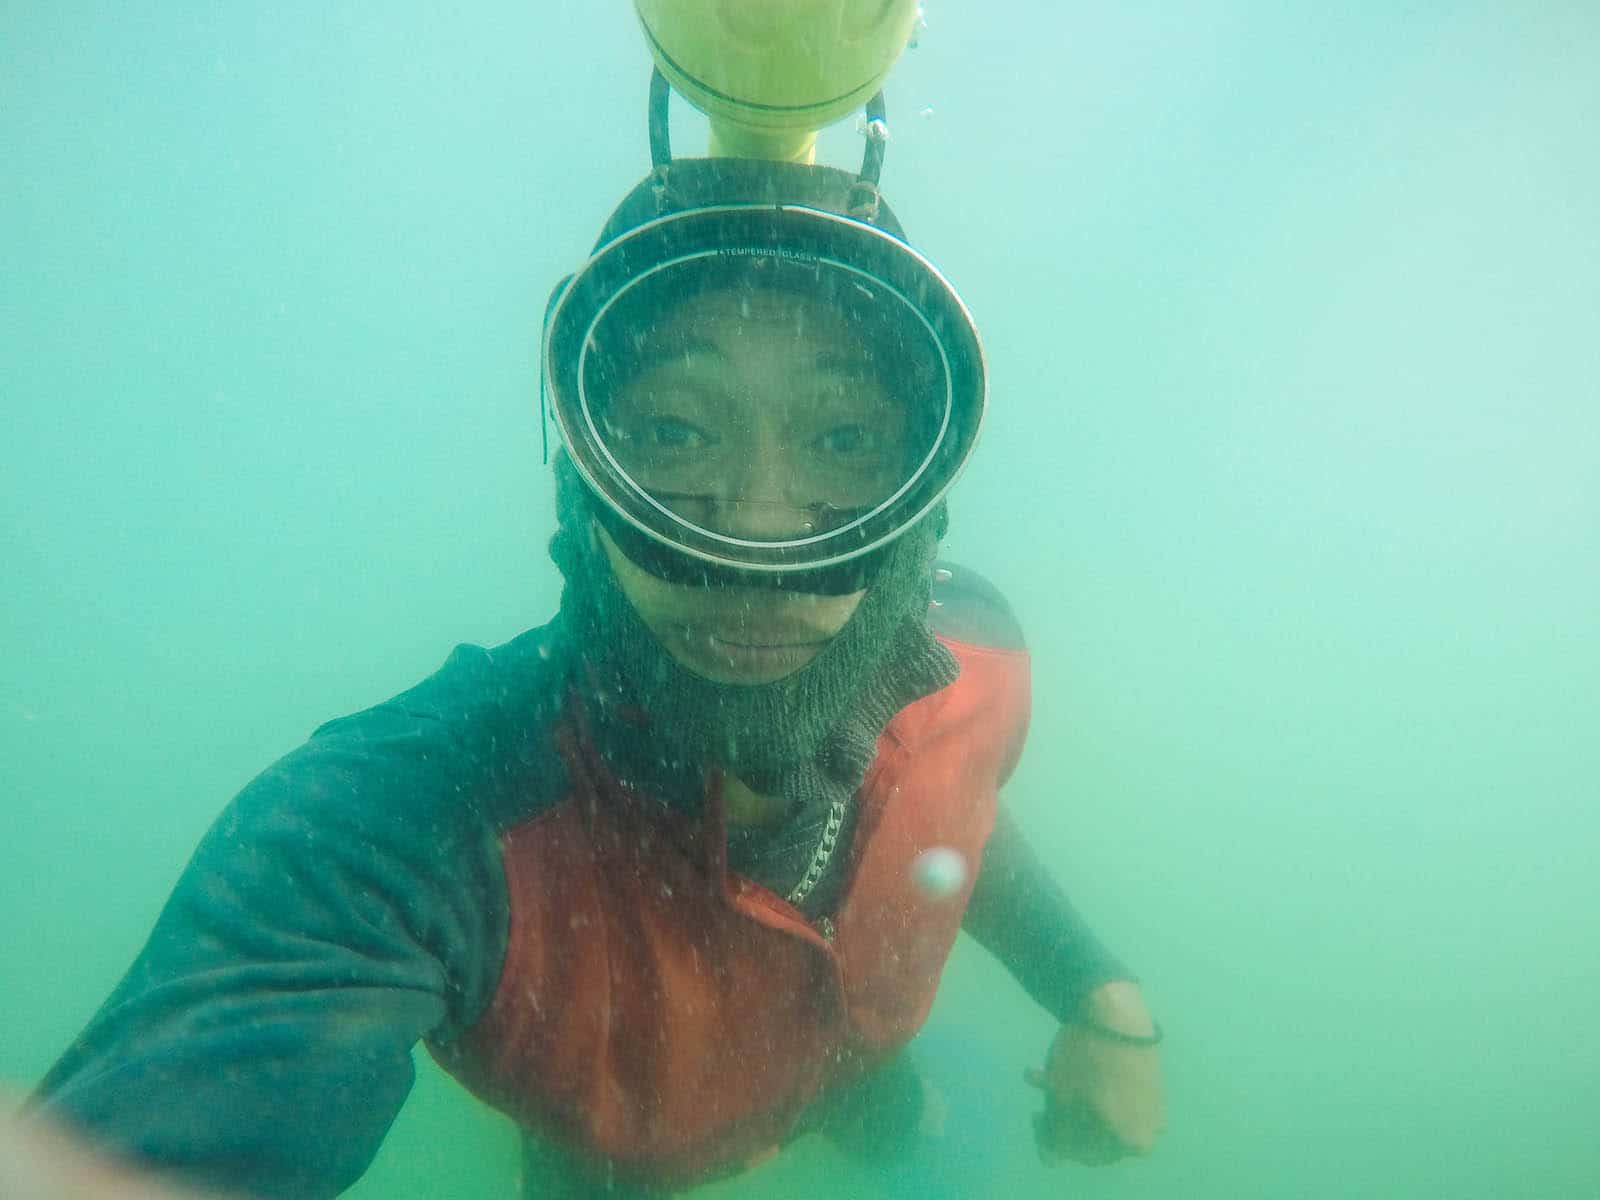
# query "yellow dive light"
(771, 73)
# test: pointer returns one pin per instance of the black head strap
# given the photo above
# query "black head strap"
(863, 196)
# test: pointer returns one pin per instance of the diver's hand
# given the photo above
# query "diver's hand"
(1102, 1098)
(41, 1162)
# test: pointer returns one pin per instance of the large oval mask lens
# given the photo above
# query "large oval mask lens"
(762, 388)
(755, 400)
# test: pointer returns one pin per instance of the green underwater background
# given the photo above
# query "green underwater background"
(1291, 474)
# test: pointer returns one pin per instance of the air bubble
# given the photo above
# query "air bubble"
(939, 873)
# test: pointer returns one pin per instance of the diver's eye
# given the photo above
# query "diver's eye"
(671, 433)
(847, 441)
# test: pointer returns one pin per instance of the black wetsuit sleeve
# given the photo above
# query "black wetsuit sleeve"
(1020, 915)
(347, 903)
(1017, 911)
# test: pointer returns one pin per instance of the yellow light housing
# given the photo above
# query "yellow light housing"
(770, 73)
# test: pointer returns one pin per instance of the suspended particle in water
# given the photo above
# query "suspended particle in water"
(925, 112)
(939, 872)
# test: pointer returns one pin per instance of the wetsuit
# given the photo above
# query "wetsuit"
(354, 900)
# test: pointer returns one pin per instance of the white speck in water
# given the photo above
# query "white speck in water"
(925, 112)
(939, 872)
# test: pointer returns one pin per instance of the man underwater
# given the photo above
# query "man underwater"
(654, 879)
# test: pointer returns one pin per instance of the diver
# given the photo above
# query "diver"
(670, 880)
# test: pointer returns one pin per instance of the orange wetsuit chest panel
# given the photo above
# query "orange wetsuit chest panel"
(660, 1012)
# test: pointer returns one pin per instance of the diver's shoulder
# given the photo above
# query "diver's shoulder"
(969, 608)
(481, 726)
(477, 680)
(478, 695)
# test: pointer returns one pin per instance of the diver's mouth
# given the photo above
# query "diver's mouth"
(757, 635)
(747, 656)
(747, 642)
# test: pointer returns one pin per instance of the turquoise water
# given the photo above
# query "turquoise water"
(1292, 475)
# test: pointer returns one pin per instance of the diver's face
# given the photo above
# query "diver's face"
(749, 416)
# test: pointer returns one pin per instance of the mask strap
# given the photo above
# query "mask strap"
(660, 137)
(544, 407)
(660, 134)
(864, 196)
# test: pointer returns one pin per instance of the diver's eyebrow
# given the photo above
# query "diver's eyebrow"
(661, 354)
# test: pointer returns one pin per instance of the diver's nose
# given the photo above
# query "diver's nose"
(760, 499)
